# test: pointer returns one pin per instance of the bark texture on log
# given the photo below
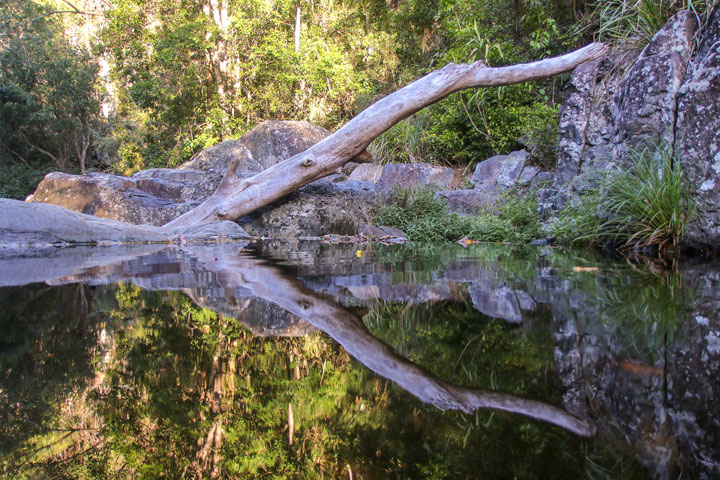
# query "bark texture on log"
(236, 197)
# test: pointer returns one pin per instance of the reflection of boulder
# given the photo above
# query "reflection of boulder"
(259, 316)
(693, 371)
(500, 301)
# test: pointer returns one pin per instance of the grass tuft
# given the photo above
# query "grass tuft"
(647, 205)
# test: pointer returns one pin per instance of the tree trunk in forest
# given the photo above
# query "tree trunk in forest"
(236, 197)
(217, 12)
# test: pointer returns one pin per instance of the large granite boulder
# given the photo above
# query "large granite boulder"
(154, 197)
(698, 144)
(408, 176)
(499, 172)
(269, 143)
(151, 197)
(647, 100)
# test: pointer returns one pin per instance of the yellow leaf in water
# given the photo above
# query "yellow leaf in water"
(585, 269)
(358, 253)
(465, 241)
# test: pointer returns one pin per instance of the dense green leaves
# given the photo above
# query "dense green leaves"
(49, 97)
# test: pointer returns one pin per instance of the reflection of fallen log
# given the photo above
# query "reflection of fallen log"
(236, 271)
(268, 282)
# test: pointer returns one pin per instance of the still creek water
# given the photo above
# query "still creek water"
(307, 360)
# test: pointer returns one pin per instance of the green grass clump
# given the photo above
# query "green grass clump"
(637, 21)
(646, 205)
(425, 218)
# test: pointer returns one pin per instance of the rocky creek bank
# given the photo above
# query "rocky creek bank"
(669, 96)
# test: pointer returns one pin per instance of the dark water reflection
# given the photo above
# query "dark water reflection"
(308, 360)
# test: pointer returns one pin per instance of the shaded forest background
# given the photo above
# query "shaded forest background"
(124, 85)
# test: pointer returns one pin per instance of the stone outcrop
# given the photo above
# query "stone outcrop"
(606, 115)
(697, 141)
(264, 146)
(646, 101)
(492, 178)
(667, 99)
(25, 224)
(151, 197)
(337, 204)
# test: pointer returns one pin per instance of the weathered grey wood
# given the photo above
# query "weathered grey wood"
(236, 197)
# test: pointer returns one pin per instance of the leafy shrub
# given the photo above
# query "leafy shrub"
(19, 181)
(425, 218)
(647, 205)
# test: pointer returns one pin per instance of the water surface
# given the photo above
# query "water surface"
(307, 360)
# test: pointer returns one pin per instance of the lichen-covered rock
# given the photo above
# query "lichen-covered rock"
(414, 175)
(316, 209)
(265, 145)
(500, 172)
(140, 201)
(574, 115)
(646, 100)
(698, 141)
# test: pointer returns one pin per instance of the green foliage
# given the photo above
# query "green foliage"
(49, 97)
(19, 180)
(192, 78)
(646, 205)
(637, 21)
(425, 218)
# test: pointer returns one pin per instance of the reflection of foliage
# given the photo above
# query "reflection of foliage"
(46, 357)
(645, 306)
(458, 343)
(186, 392)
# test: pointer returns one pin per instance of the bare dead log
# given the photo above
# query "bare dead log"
(236, 197)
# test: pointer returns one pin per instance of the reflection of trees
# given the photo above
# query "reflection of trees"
(346, 328)
(46, 358)
(190, 392)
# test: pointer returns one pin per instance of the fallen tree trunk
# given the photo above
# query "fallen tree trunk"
(236, 197)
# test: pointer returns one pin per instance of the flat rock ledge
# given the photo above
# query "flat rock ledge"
(25, 225)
